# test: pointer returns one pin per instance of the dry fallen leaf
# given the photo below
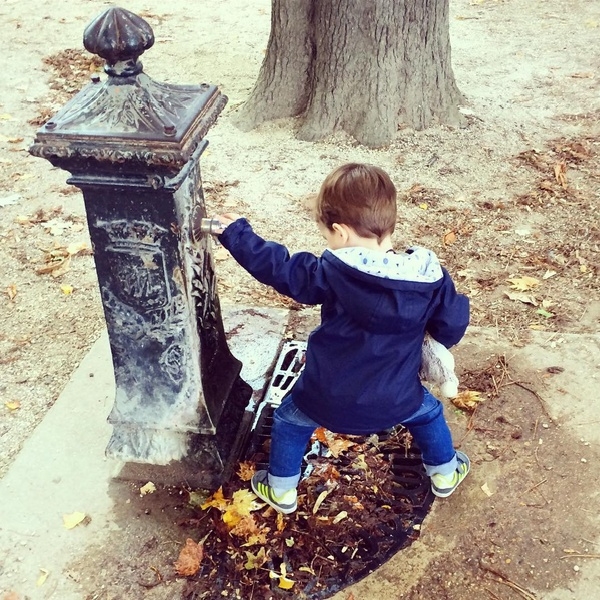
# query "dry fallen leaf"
(522, 297)
(320, 500)
(148, 488)
(242, 504)
(449, 238)
(467, 400)
(73, 519)
(340, 445)
(217, 500)
(246, 470)
(13, 405)
(189, 559)
(284, 582)
(66, 289)
(560, 173)
(336, 443)
(11, 291)
(486, 490)
(42, 578)
(255, 561)
(523, 284)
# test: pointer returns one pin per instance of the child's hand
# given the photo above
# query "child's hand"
(216, 225)
(227, 219)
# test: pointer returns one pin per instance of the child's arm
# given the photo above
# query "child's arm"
(299, 276)
(450, 318)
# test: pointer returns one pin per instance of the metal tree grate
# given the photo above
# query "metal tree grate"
(411, 487)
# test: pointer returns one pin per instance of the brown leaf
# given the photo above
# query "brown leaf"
(449, 238)
(245, 527)
(522, 297)
(11, 291)
(560, 173)
(189, 559)
(246, 470)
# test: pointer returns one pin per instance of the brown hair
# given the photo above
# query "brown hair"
(360, 196)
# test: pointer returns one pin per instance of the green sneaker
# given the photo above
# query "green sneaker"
(285, 504)
(443, 485)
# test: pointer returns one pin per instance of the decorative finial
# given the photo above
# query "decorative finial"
(119, 37)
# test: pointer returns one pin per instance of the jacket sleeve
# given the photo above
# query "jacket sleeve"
(299, 276)
(450, 318)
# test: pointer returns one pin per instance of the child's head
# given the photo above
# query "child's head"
(360, 196)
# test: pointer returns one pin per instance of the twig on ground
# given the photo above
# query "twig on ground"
(492, 595)
(537, 485)
(506, 581)
(542, 401)
(580, 556)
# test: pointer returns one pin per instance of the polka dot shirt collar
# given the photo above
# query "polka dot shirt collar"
(418, 265)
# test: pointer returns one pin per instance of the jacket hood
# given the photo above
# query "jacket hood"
(384, 292)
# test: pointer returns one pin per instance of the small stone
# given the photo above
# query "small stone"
(576, 568)
(584, 460)
(545, 425)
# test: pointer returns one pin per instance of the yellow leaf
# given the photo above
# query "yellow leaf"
(42, 578)
(320, 500)
(11, 291)
(217, 500)
(148, 488)
(73, 519)
(255, 538)
(280, 522)
(339, 517)
(467, 400)
(242, 504)
(66, 289)
(255, 561)
(423, 206)
(13, 405)
(523, 284)
(5, 117)
(285, 583)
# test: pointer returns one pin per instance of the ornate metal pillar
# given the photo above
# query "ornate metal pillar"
(133, 147)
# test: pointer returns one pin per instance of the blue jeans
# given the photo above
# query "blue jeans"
(292, 430)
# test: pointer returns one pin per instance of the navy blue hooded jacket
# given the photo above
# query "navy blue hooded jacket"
(362, 362)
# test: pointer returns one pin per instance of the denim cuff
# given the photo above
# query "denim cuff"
(284, 483)
(444, 469)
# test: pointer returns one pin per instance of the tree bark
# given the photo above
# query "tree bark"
(365, 67)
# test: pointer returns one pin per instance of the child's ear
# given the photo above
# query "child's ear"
(342, 231)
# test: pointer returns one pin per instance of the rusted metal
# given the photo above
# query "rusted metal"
(133, 147)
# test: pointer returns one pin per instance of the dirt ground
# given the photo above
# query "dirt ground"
(513, 195)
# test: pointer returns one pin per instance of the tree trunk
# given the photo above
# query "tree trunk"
(365, 67)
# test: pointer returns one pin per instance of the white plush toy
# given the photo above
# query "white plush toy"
(437, 367)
